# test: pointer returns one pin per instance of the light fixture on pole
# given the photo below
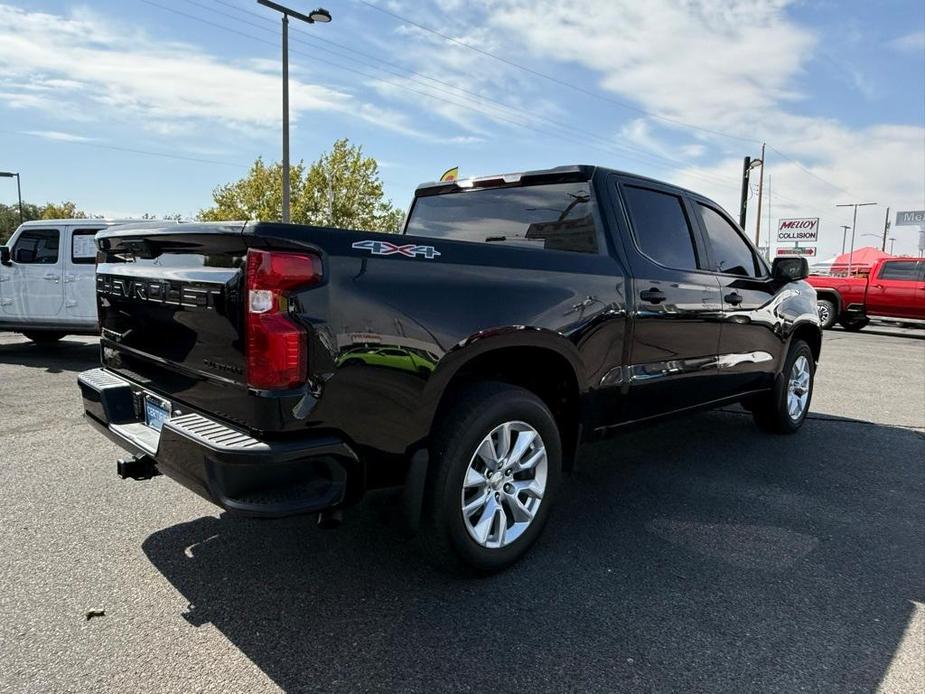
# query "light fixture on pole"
(854, 226)
(319, 15)
(10, 174)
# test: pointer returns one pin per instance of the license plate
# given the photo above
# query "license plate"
(156, 413)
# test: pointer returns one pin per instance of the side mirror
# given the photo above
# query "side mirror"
(5, 255)
(789, 269)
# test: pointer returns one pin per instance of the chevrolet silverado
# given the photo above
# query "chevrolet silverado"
(282, 369)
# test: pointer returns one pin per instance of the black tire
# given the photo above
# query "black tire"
(828, 313)
(459, 433)
(771, 410)
(854, 324)
(44, 337)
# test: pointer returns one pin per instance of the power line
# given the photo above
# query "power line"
(575, 134)
(644, 157)
(816, 176)
(149, 153)
(556, 80)
(474, 95)
(588, 92)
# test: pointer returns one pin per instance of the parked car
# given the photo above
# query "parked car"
(560, 306)
(891, 288)
(48, 276)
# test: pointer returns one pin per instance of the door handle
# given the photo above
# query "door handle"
(735, 298)
(653, 295)
(50, 276)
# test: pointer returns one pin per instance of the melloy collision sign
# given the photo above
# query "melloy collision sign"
(910, 218)
(801, 230)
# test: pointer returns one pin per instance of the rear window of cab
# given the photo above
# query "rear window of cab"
(556, 216)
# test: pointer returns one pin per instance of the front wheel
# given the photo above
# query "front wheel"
(827, 313)
(496, 463)
(784, 408)
(46, 337)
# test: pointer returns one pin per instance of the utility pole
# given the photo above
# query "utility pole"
(844, 235)
(760, 192)
(854, 227)
(886, 228)
(286, 181)
(319, 15)
(743, 205)
(769, 217)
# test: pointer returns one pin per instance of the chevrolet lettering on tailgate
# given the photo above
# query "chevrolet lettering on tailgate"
(157, 291)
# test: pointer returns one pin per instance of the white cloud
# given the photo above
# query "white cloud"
(910, 43)
(89, 67)
(58, 136)
(729, 66)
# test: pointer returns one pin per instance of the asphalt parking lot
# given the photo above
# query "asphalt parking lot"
(695, 556)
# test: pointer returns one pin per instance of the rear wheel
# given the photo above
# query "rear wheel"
(496, 463)
(45, 337)
(827, 313)
(783, 409)
(854, 324)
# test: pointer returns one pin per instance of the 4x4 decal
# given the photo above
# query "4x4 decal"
(410, 250)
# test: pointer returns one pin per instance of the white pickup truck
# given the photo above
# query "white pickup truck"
(48, 278)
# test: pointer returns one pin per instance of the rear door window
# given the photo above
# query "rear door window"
(731, 253)
(37, 246)
(661, 227)
(83, 246)
(899, 270)
(555, 217)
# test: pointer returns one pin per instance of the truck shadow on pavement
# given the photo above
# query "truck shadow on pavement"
(697, 555)
(67, 355)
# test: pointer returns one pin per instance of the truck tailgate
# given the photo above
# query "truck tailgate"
(171, 313)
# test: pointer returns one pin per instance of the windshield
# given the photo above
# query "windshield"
(556, 216)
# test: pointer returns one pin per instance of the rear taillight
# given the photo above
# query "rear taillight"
(276, 345)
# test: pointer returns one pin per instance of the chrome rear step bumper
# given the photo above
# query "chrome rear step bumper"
(229, 467)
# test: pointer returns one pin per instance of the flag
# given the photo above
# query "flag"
(450, 174)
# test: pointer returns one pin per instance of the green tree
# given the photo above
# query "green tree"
(9, 215)
(342, 189)
(9, 218)
(63, 210)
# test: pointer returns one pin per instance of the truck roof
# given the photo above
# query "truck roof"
(82, 220)
(557, 174)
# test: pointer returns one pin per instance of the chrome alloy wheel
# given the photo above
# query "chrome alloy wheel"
(824, 313)
(504, 484)
(798, 388)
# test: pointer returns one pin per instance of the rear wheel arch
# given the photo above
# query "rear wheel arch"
(544, 371)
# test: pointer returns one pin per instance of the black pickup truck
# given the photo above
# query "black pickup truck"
(281, 369)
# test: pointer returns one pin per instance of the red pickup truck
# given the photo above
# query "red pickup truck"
(890, 288)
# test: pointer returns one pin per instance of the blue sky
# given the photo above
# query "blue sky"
(679, 91)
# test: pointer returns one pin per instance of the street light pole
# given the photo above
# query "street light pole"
(892, 241)
(286, 181)
(844, 235)
(10, 174)
(319, 15)
(854, 226)
(760, 192)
